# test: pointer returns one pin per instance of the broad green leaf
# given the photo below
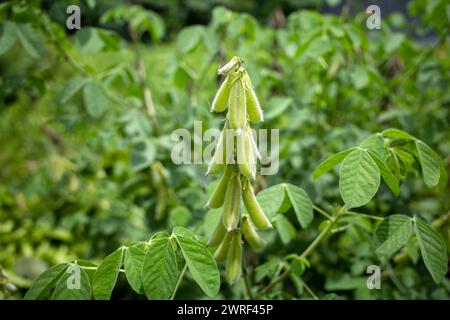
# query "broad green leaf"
(285, 228)
(359, 77)
(30, 40)
(433, 250)
(397, 134)
(160, 270)
(42, 285)
(430, 163)
(88, 40)
(330, 162)
(301, 203)
(73, 285)
(388, 176)
(105, 277)
(71, 87)
(392, 234)
(188, 38)
(134, 260)
(183, 232)
(201, 264)
(276, 106)
(179, 216)
(359, 179)
(7, 36)
(91, 267)
(375, 143)
(271, 199)
(95, 99)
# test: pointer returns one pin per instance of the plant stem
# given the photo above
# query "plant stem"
(307, 251)
(179, 282)
(312, 294)
(322, 212)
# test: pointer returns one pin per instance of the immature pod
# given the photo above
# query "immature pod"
(218, 160)
(250, 234)
(232, 204)
(220, 102)
(257, 215)
(217, 198)
(234, 258)
(254, 111)
(245, 155)
(237, 115)
(234, 63)
(218, 234)
(222, 250)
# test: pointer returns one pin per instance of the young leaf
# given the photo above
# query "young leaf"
(375, 143)
(70, 88)
(433, 250)
(271, 199)
(30, 40)
(392, 234)
(430, 163)
(330, 162)
(183, 232)
(106, 275)
(201, 264)
(95, 99)
(388, 176)
(134, 260)
(301, 203)
(397, 134)
(285, 228)
(359, 178)
(42, 285)
(7, 36)
(160, 270)
(71, 288)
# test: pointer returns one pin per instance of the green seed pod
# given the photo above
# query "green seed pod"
(218, 196)
(254, 111)
(234, 63)
(218, 234)
(234, 258)
(237, 114)
(250, 234)
(222, 250)
(245, 155)
(218, 161)
(220, 102)
(257, 215)
(232, 204)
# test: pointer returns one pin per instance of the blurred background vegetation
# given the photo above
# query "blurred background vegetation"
(86, 117)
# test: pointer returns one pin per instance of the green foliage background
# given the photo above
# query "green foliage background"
(85, 161)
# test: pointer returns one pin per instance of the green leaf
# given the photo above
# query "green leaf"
(7, 36)
(42, 285)
(30, 40)
(330, 162)
(388, 176)
(189, 38)
(95, 99)
(89, 264)
(71, 87)
(285, 228)
(201, 264)
(301, 203)
(183, 232)
(68, 287)
(179, 216)
(392, 234)
(375, 143)
(430, 163)
(160, 270)
(271, 199)
(276, 106)
(359, 179)
(433, 250)
(142, 155)
(397, 134)
(105, 277)
(134, 260)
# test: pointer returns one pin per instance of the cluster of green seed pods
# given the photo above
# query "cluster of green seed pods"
(235, 158)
